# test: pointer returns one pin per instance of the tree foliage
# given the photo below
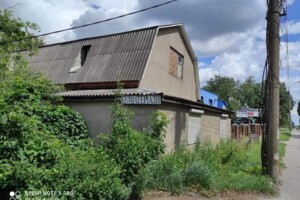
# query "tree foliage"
(247, 93)
(12, 34)
(226, 88)
(286, 102)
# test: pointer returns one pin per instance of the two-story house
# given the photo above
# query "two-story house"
(159, 70)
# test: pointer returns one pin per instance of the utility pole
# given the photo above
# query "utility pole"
(272, 126)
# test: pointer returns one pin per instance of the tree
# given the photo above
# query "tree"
(249, 93)
(226, 88)
(12, 34)
(286, 105)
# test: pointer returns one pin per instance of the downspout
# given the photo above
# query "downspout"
(197, 80)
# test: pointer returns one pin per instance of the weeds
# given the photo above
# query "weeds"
(230, 165)
(284, 136)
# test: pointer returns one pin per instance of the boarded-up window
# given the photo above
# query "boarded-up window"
(175, 63)
(223, 128)
(194, 128)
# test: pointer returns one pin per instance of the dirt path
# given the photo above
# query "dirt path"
(191, 196)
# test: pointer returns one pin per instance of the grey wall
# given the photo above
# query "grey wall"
(97, 116)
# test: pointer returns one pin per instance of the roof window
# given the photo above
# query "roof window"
(81, 57)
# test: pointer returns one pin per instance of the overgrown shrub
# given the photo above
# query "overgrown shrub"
(174, 172)
(66, 124)
(90, 174)
(132, 149)
(44, 146)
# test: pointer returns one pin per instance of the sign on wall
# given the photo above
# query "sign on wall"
(248, 113)
(141, 100)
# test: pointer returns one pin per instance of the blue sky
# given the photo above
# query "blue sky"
(228, 38)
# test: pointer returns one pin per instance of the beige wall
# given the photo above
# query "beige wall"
(156, 75)
(211, 126)
(176, 132)
(97, 116)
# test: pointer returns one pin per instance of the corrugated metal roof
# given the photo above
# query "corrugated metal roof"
(106, 93)
(77, 94)
(117, 57)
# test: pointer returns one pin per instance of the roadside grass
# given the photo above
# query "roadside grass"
(284, 135)
(209, 169)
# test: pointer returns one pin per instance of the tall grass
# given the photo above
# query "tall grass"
(283, 136)
(230, 165)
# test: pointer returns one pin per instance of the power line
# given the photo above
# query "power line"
(90, 24)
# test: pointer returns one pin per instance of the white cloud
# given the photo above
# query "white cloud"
(233, 33)
(50, 15)
(248, 60)
(294, 27)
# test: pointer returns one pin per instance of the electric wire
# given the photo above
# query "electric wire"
(90, 24)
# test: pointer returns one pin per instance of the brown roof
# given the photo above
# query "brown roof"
(116, 57)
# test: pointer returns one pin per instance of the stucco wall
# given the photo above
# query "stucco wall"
(210, 126)
(228, 121)
(97, 116)
(156, 75)
(176, 132)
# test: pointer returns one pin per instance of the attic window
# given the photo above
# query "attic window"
(81, 57)
(176, 63)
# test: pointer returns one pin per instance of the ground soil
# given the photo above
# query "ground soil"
(230, 195)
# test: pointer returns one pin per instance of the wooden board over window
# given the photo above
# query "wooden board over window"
(176, 63)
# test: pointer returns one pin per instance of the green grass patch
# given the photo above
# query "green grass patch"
(285, 135)
(230, 165)
(281, 149)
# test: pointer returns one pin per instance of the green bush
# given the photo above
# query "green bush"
(44, 146)
(174, 172)
(131, 149)
(90, 174)
(197, 173)
(66, 124)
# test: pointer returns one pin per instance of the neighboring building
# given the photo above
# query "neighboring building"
(212, 99)
(222, 104)
(158, 68)
(209, 98)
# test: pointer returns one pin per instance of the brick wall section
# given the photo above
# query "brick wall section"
(173, 62)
